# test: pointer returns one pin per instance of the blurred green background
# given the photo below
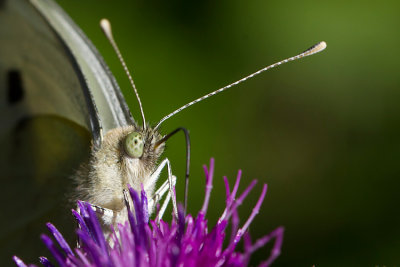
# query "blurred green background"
(323, 132)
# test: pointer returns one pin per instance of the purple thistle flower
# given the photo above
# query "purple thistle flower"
(186, 241)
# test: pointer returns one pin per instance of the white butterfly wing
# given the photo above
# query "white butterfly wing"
(57, 95)
(104, 95)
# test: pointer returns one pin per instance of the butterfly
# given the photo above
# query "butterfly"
(67, 109)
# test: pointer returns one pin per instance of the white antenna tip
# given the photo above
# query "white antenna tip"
(106, 27)
(320, 46)
(315, 49)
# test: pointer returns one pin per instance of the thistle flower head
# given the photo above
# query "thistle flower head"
(186, 241)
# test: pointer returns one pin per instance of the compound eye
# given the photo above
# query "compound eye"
(133, 145)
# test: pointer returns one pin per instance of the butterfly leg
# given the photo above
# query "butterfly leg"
(166, 201)
(187, 138)
(106, 215)
(154, 177)
(158, 195)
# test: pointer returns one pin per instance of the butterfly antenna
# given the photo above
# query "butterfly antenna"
(106, 27)
(312, 50)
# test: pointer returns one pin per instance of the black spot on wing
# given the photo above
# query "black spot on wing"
(15, 88)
